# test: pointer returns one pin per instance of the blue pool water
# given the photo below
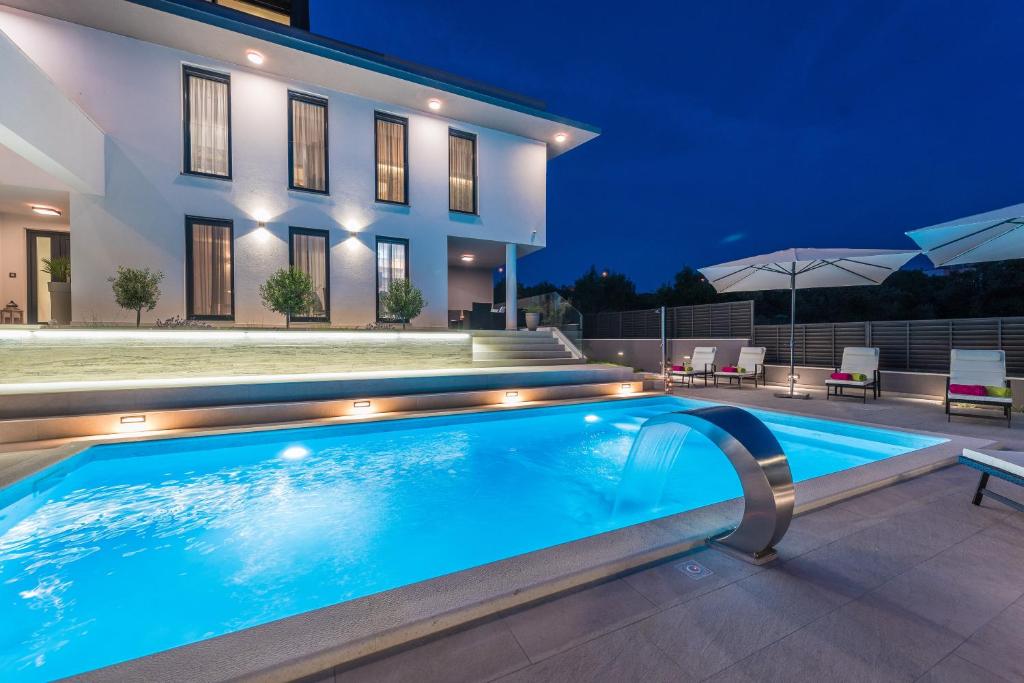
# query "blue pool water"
(132, 548)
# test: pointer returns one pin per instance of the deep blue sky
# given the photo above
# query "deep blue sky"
(736, 128)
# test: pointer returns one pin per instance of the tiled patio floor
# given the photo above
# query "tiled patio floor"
(906, 583)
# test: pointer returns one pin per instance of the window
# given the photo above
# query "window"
(207, 123)
(391, 136)
(209, 269)
(392, 264)
(307, 143)
(309, 252)
(461, 171)
(274, 10)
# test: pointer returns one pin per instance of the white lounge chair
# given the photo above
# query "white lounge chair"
(749, 366)
(860, 360)
(702, 363)
(977, 367)
(1006, 465)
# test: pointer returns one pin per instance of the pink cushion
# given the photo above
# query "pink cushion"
(678, 368)
(968, 389)
(729, 368)
(842, 375)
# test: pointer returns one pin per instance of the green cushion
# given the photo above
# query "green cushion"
(1001, 392)
(858, 377)
(741, 370)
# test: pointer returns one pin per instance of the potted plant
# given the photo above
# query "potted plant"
(402, 302)
(59, 270)
(289, 292)
(533, 317)
(135, 289)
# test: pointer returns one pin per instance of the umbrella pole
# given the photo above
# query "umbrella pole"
(792, 339)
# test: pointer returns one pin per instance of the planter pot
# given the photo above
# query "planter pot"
(60, 302)
(532, 321)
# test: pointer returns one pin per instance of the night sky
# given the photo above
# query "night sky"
(735, 128)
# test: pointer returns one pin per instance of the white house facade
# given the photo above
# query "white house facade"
(215, 144)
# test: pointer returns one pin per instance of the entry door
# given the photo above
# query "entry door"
(42, 244)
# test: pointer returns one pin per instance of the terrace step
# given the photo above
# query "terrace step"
(517, 362)
(521, 334)
(521, 354)
(523, 346)
(493, 348)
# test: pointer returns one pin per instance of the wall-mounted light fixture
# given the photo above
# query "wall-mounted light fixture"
(468, 258)
(45, 210)
(254, 57)
(360, 404)
(561, 137)
(434, 104)
(132, 419)
(625, 388)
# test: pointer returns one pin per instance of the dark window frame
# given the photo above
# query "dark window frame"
(190, 276)
(188, 71)
(376, 270)
(326, 235)
(391, 118)
(295, 96)
(456, 133)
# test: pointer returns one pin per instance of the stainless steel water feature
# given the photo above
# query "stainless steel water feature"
(757, 457)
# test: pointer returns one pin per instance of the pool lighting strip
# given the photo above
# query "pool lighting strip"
(300, 336)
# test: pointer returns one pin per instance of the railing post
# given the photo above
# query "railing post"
(908, 347)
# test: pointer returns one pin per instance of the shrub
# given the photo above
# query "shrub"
(403, 301)
(136, 289)
(58, 267)
(289, 292)
(177, 322)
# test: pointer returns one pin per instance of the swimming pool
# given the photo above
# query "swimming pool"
(127, 549)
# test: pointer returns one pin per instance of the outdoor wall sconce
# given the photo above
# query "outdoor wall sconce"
(360, 404)
(132, 419)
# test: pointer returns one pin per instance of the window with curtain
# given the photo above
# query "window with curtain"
(392, 264)
(461, 171)
(209, 264)
(307, 138)
(207, 122)
(392, 158)
(309, 252)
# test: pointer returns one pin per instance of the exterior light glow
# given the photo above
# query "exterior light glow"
(626, 388)
(512, 397)
(360, 404)
(295, 453)
(561, 137)
(132, 419)
(468, 258)
(434, 104)
(621, 353)
(45, 210)
(591, 418)
(254, 57)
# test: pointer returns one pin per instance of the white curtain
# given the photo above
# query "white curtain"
(309, 254)
(390, 161)
(211, 270)
(461, 181)
(391, 265)
(309, 145)
(208, 125)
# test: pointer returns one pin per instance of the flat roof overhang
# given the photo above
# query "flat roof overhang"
(209, 30)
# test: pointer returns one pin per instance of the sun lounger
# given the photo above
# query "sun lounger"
(977, 377)
(749, 366)
(859, 370)
(1006, 465)
(702, 364)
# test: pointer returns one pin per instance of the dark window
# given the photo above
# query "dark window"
(307, 143)
(279, 11)
(309, 251)
(207, 110)
(461, 171)
(209, 269)
(392, 264)
(391, 139)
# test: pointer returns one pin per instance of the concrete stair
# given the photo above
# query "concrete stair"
(501, 348)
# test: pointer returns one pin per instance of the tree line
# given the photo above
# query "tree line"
(978, 291)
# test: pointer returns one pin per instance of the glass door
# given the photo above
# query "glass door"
(42, 245)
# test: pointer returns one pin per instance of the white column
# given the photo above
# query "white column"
(511, 288)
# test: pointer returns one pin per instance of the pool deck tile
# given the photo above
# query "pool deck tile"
(996, 646)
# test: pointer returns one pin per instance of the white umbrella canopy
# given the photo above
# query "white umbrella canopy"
(795, 269)
(991, 236)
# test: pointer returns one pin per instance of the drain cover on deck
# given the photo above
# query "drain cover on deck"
(694, 569)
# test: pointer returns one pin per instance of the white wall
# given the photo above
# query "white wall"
(14, 257)
(466, 285)
(132, 90)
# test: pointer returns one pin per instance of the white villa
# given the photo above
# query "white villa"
(220, 141)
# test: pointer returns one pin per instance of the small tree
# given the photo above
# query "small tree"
(403, 301)
(289, 292)
(135, 289)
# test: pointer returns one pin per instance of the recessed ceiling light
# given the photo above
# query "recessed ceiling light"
(254, 57)
(468, 258)
(45, 210)
(434, 104)
(561, 137)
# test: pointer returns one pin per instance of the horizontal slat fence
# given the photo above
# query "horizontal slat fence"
(911, 345)
(724, 320)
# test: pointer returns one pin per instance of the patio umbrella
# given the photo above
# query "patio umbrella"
(992, 236)
(795, 269)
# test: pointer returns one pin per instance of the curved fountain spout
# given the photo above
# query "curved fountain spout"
(756, 455)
